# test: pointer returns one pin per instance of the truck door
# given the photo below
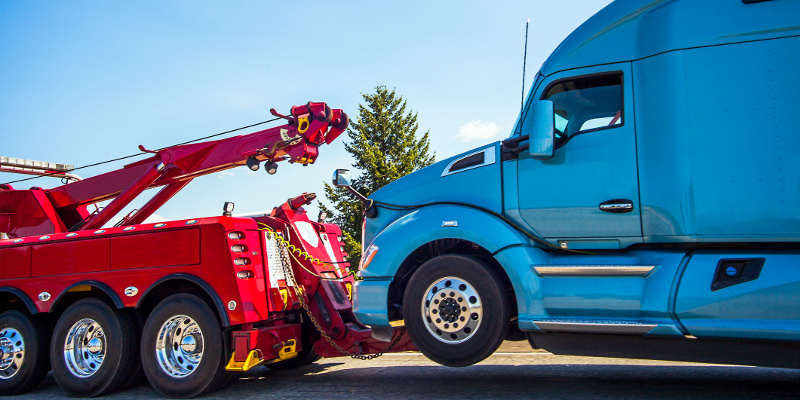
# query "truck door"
(587, 194)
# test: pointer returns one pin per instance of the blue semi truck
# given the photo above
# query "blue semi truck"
(646, 204)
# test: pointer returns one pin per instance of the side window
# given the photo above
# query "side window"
(585, 104)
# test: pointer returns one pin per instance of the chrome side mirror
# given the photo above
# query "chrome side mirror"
(342, 178)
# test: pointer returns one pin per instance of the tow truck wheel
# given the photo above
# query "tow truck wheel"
(93, 350)
(455, 310)
(182, 349)
(23, 352)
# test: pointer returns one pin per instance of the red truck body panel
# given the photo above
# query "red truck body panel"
(279, 283)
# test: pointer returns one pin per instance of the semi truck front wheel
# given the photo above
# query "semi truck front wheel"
(455, 310)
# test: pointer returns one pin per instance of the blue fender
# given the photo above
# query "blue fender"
(428, 224)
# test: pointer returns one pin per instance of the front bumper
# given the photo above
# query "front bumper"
(370, 302)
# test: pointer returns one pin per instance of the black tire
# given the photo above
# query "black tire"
(456, 311)
(93, 351)
(193, 368)
(136, 375)
(28, 338)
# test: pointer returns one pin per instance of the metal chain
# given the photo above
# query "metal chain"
(294, 249)
(287, 271)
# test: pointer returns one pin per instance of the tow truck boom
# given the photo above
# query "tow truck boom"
(64, 208)
(215, 295)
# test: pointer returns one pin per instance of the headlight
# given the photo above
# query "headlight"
(367, 257)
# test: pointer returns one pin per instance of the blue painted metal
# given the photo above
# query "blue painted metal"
(705, 149)
(369, 298)
(765, 308)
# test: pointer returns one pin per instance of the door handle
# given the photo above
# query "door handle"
(617, 206)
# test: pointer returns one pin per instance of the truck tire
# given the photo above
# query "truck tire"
(93, 351)
(25, 339)
(455, 310)
(182, 348)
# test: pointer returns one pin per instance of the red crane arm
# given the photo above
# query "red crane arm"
(308, 127)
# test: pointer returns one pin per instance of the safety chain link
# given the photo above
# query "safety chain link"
(308, 257)
(287, 271)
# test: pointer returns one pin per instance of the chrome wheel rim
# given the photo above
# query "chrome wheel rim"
(179, 347)
(85, 348)
(452, 310)
(12, 352)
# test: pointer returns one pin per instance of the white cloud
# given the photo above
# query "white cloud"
(477, 130)
(225, 174)
(154, 218)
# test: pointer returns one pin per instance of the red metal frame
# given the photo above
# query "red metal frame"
(308, 127)
(57, 249)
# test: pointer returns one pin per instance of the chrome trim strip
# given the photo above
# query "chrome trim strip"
(625, 206)
(622, 327)
(593, 270)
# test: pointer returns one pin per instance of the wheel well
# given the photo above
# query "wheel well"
(79, 292)
(437, 248)
(10, 301)
(168, 287)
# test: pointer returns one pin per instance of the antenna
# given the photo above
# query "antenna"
(524, 62)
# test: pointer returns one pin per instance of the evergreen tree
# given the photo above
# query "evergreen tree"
(384, 144)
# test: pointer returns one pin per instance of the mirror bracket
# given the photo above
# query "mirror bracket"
(342, 179)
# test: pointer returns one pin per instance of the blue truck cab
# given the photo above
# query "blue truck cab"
(646, 204)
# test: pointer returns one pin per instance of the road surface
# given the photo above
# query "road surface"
(514, 372)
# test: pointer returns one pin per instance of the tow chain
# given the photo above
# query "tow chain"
(301, 296)
(291, 249)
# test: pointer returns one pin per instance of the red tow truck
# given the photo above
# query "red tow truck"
(189, 303)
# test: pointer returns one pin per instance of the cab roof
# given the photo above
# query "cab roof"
(628, 30)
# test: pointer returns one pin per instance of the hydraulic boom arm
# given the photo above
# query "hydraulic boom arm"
(308, 127)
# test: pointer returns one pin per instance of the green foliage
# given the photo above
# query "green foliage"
(384, 145)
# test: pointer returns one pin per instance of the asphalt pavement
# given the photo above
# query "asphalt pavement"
(514, 372)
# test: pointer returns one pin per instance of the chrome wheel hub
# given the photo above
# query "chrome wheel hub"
(12, 352)
(179, 346)
(452, 310)
(85, 348)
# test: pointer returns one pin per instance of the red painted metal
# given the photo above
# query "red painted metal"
(182, 163)
(238, 263)
(359, 341)
(123, 199)
(156, 202)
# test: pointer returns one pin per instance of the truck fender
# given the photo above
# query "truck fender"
(223, 315)
(413, 230)
(29, 304)
(95, 284)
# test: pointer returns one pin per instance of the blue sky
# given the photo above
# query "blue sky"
(87, 81)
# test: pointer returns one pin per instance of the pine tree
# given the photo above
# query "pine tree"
(384, 144)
